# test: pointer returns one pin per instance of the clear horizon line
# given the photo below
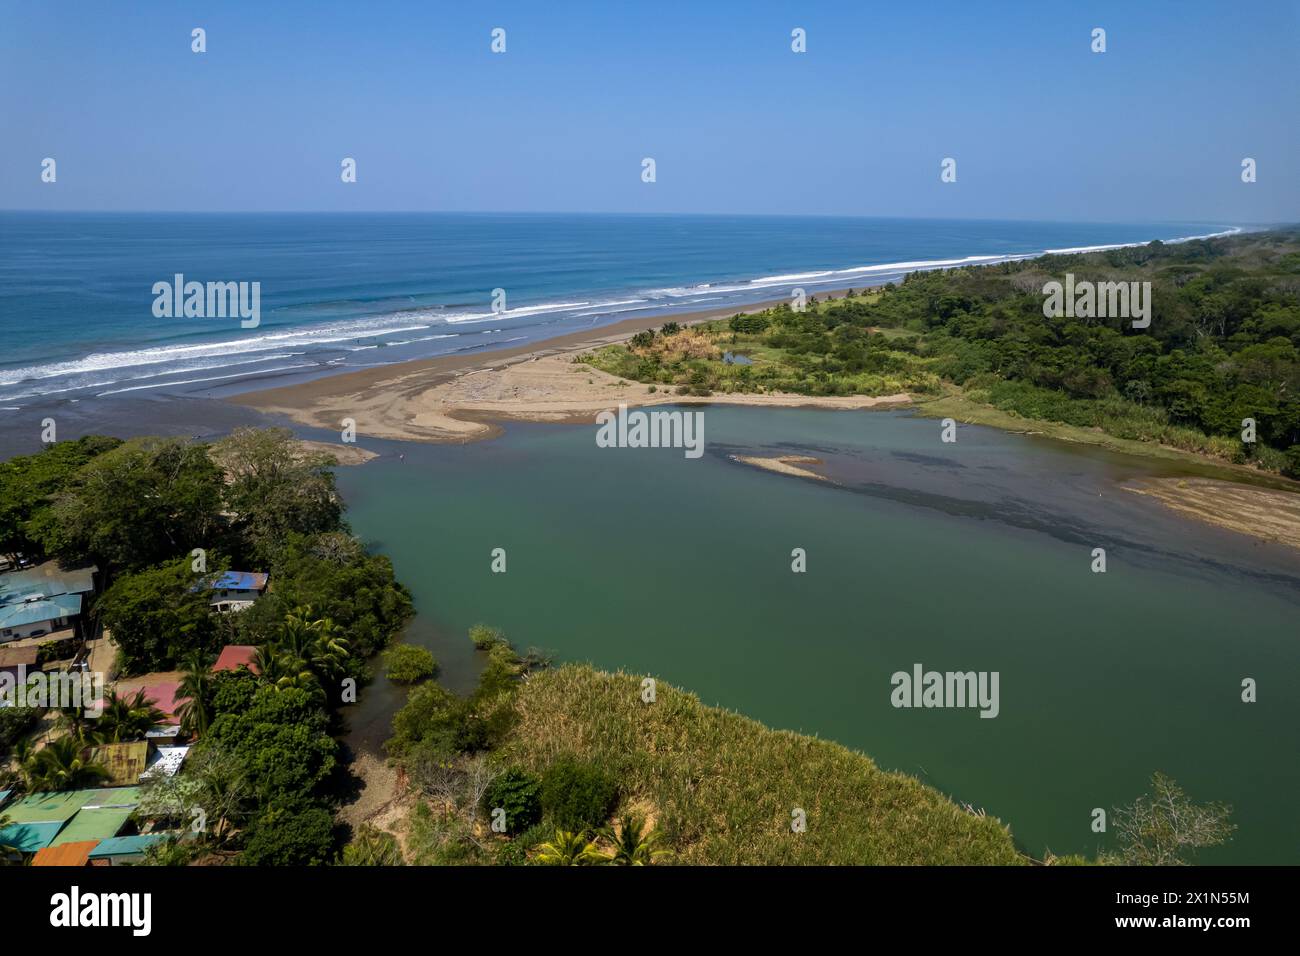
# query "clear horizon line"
(579, 212)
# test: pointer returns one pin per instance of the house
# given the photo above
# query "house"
(112, 851)
(125, 850)
(40, 820)
(17, 662)
(125, 761)
(235, 656)
(135, 761)
(163, 696)
(163, 734)
(236, 590)
(43, 602)
(165, 762)
(65, 854)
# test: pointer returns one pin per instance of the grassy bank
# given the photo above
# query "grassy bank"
(1222, 349)
(578, 767)
(967, 406)
(723, 788)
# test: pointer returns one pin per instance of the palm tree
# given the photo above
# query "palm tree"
(74, 720)
(23, 751)
(329, 650)
(293, 636)
(316, 641)
(196, 690)
(283, 670)
(61, 765)
(8, 852)
(303, 651)
(633, 844)
(126, 718)
(569, 849)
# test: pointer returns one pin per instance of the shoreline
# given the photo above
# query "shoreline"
(818, 280)
(1264, 514)
(463, 398)
(460, 399)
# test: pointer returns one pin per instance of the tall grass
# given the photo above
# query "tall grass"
(723, 788)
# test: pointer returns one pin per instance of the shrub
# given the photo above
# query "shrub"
(484, 636)
(408, 664)
(1292, 467)
(748, 324)
(436, 722)
(512, 853)
(434, 839)
(519, 795)
(15, 722)
(578, 796)
(290, 836)
(372, 847)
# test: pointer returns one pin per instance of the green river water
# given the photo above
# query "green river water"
(968, 556)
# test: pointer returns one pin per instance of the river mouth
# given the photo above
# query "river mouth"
(975, 556)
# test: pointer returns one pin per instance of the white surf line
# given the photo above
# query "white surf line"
(214, 378)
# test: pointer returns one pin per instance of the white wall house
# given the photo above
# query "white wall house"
(40, 601)
(236, 590)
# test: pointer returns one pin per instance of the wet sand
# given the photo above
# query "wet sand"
(459, 398)
(1258, 512)
(792, 465)
(124, 417)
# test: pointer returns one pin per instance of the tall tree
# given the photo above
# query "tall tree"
(158, 615)
(28, 484)
(147, 500)
(274, 487)
(195, 691)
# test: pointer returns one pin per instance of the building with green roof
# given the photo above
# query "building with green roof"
(39, 820)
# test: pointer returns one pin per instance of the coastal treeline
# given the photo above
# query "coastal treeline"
(1223, 346)
(162, 518)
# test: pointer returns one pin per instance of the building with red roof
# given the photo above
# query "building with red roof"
(163, 696)
(235, 656)
(65, 854)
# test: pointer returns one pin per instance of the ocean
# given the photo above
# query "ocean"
(343, 292)
(680, 568)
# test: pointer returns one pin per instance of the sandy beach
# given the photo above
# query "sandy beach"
(463, 398)
(1259, 512)
(460, 398)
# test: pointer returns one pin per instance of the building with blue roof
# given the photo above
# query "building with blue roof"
(39, 820)
(236, 590)
(43, 601)
(128, 849)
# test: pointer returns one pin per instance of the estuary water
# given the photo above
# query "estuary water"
(972, 556)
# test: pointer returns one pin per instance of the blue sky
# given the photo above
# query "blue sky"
(1041, 127)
